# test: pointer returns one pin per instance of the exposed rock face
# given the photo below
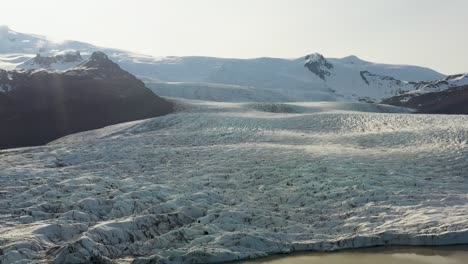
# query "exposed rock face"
(317, 64)
(366, 76)
(451, 101)
(39, 106)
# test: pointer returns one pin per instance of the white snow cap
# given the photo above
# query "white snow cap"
(314, 56)
(352, 59)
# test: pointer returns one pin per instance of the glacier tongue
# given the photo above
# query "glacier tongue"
(216, 182)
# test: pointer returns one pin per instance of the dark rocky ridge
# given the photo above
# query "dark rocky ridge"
(451, 101)
(317, 64)
(37, 107)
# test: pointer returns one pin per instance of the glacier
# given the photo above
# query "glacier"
(216, 182)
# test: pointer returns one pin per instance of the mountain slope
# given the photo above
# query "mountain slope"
(39, 106)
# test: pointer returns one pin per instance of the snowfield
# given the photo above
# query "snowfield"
(218, 182)
(311, 78)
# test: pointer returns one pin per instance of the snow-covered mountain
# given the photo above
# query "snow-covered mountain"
(309, 78)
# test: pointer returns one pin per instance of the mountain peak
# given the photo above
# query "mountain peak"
(317, 64)
(352, 59)
(314, 56)
(99, 56)
(100, 60)
(100, 66)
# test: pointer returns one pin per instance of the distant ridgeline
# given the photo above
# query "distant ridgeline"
(309, 78)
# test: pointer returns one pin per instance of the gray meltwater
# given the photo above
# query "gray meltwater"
(409, 255)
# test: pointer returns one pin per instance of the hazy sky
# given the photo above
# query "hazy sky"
(431, 33)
